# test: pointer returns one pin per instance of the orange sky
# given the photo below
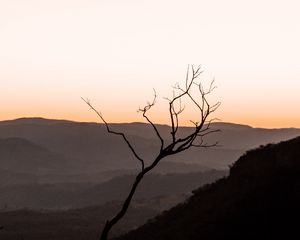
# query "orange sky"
(115, 52)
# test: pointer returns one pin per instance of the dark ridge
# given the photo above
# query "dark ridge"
(258, 200)
(230, 126)
(34, 120)
(45, 121)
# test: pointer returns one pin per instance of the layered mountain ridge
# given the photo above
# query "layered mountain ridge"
(93, 149)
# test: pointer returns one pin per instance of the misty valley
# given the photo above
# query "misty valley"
(62, 180)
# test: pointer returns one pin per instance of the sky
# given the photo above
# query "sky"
(53, 52)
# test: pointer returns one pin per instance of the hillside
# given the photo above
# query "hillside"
(258, 200)
(76, 224)
(76, 195)
(21, 155)
(25, 162)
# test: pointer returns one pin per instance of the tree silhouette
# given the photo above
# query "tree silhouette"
(176, 144)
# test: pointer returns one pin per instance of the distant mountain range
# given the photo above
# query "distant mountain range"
(78, 148)
(260, 199)
(22, 161)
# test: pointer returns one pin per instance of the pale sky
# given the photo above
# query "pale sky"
(114, 52)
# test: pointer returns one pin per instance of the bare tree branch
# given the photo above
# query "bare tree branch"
(144, 111)
(87, 101)
(178, 144)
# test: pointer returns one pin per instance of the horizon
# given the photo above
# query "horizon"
(52, 53)
(136, 122)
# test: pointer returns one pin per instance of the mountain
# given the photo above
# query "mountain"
(21, 155)
(22, 162)
(260, 199)
(97, 151)
(87, 143)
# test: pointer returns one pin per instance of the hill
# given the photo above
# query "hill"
(94, 150)
(25, 162)
(21, 155)
(258, 200)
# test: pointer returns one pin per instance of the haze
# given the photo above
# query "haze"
(115, 52)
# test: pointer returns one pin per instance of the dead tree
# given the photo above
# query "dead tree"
(176, 144)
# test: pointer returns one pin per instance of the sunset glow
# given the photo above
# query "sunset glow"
(54, 52)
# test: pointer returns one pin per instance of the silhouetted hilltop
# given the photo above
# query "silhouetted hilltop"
(259, 200)
(33, 120)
